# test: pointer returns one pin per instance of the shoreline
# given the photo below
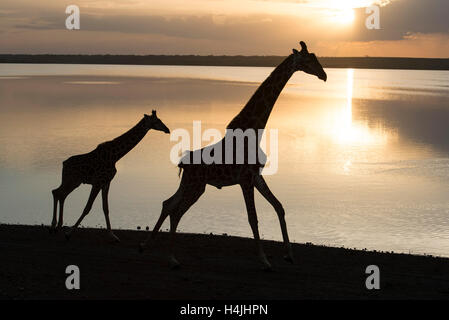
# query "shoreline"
(213, 267)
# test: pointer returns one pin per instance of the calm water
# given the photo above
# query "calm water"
(363, 158)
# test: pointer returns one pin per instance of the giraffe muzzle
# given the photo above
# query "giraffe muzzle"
(323, 76)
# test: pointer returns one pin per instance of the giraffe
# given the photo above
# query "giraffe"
(254, 116)
(97, 168)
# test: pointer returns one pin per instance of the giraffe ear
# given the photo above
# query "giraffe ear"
(295, 51)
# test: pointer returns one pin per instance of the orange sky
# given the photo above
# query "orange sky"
(412, 28)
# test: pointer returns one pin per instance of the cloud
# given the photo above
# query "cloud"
(218, 27)
(412, 45)
(402, 17)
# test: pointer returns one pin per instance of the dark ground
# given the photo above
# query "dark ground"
(33, 262)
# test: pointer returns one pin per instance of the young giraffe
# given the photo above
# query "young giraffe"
(98, 169)
(253, 116)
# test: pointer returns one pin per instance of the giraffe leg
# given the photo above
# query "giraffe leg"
(59, 196)
(104, 195)
(262, 187)
(66, 189)
(55, 209)
(93, 194)
(168, 206)
(188, 199)
(61, 213)
(174, 221)
(248, 193)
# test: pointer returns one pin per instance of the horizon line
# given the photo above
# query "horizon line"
(207, 55)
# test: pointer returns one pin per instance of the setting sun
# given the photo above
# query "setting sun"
(345, 16)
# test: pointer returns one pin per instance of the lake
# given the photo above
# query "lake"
(363, 158)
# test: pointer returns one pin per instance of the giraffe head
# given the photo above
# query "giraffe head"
(308, 62)
(153, 122)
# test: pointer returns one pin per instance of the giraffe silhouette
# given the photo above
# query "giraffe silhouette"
(97, 168)
(254, 116)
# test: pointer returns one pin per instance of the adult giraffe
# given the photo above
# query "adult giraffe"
(254, 116)
(98, 169)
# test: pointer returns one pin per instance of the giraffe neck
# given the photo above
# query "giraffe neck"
(256, 112)
(123, 144)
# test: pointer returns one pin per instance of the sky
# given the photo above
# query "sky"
(408, 28)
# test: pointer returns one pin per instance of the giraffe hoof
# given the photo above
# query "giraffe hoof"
(266, 265)
(174, 264)
(267, 268)
(114, 238)
(289, 258)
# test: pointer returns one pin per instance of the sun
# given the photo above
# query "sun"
(345, 16)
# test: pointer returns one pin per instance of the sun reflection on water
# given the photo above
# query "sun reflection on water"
(352, 135)
(348, 132)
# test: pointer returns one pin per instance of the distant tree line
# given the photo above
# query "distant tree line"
(249, 61)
